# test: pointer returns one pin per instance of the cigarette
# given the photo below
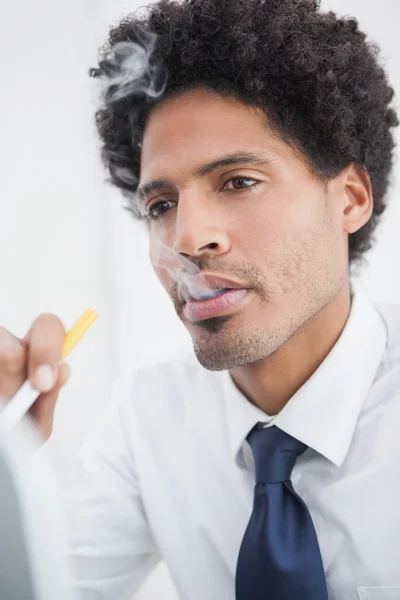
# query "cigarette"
(23, 399)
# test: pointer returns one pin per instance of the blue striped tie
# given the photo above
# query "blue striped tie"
(279, 558)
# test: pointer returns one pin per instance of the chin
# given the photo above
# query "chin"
(233, 348)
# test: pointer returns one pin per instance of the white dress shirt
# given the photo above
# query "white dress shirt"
(167, 471)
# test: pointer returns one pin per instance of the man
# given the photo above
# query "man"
(256, 144)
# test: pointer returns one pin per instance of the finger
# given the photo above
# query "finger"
(43, 409)
(46, 341)
(12, 363)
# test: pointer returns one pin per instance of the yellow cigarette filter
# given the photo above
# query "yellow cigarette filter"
(78, 330)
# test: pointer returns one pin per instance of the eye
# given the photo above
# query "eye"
(157, 209)
(241, 184)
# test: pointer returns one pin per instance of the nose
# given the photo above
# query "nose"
(200, 230)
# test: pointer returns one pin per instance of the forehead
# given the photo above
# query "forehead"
(189, 130)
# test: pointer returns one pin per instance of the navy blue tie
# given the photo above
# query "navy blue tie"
(279, 558)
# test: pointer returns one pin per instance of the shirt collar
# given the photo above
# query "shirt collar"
(323, 413)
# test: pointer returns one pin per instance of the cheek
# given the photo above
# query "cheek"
(157, 260)
(288, 234)
(311, 247)
(263, 229)
(163, 276)
(162, 232)
(166, 262)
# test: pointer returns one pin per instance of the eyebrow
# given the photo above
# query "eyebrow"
(230, 160)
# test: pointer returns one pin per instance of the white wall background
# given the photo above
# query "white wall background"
(65, 243)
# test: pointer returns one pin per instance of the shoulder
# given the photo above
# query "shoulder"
(167, 368)
(162, 393)
(168, 385)
(390, 315)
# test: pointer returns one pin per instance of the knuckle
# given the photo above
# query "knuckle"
(39, 352)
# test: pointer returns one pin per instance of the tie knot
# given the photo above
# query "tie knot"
(275, 453)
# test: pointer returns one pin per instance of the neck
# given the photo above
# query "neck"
(270, 384)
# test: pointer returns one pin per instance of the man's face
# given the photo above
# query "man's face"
(266, 223)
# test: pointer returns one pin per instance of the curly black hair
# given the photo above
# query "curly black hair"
(316, 76)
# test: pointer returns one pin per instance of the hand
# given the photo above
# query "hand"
(37, 356)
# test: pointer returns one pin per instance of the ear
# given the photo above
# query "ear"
(359, 202)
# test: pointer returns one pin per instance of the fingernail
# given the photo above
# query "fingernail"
(44, 379)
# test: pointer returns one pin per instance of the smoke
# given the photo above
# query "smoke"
(127, 71)
(186, 275)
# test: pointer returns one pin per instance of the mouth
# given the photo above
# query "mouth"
(207, 296)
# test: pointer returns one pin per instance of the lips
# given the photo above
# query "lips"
(225, 304)
(233, 295)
